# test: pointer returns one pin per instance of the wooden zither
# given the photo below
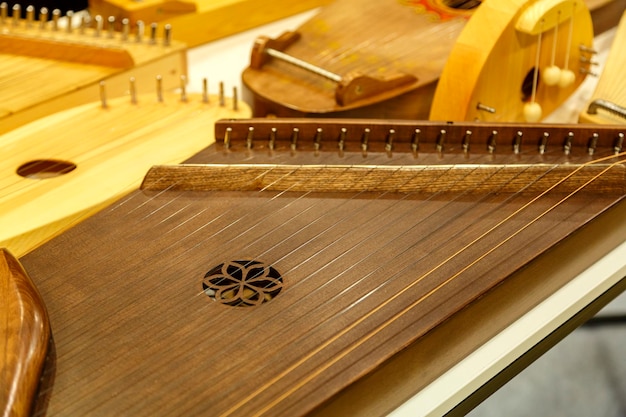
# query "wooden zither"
(64, 167)
(47, 66)
(425, 59)
(293, 258)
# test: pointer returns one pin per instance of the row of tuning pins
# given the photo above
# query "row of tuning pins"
(183, 92)
(440, 141)
(80, 21)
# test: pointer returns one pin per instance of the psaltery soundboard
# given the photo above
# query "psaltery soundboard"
(293, 258)
(46, 68)
(64, 167)
(202, 21)
(607, 104)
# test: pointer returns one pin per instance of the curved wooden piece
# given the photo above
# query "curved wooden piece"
(611, 86)
(491, 65)
(24, 334)
(93, 155)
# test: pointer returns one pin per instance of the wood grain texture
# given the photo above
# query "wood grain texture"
(365, 275)
(111, 147)
(24, 337)
(201, 21)
(45, 71)
(493, 57)
(611, 86)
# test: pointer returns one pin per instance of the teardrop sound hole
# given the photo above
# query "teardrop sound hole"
(41, 169)
(527, 84)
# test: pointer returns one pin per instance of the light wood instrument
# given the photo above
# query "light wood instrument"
(46, 68)
(384, 59)
(294, 258)
(64, 167)
(519, 67)
(201, 21)
(608, 101)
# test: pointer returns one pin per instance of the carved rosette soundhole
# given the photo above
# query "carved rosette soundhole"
(242, 283)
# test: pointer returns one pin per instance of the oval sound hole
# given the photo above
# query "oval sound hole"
(41, 169)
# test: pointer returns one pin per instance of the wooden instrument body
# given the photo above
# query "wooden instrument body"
(201, 21)
(493, 64)
(365, 273)
(380, 39)
(24, 338)
(611, 86)
(45, 71)
(110, 150)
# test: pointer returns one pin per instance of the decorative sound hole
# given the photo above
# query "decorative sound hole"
(527, 84)
(41, 169)
(242, 283)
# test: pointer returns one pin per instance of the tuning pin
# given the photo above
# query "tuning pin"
(227, 135)
(205, 90)
(543, 143)
(111, 26)
(56, 15)
(441, 139)
(103, 96)
(222, 99)
(341, 140)
(4, 12)
(125, 29)
(389, 141)
(365, 138)
(250, 137)
(294, 138)
(159, 88)
(99, 26)
(272, 138)
(415, 140)
(619, 142)
(30, 16)
(317, 139)
(16, 14)
(133, 91)
(593, 142)
(567, 146)
(43, 17)
(140, 31)
(167, 35)
(491, 142)
(465, 143)
(517, 142)
(153, 33)
(69, 16)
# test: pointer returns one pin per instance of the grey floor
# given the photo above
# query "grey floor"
(583, 375)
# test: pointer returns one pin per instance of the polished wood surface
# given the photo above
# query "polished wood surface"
(24, 338)
(46, 70)
(522, 40)
(139, 311)
(62, 168)
(202, 21)
(607, 104)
